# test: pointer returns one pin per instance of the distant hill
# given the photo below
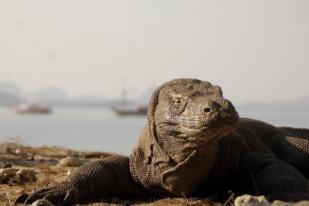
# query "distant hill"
(284, 113)
(9, 100)
(282, 106)
(11, 88)
(10, 94)
(49, 95)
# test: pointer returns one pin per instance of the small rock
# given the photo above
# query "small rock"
(281, 203)
(12, 176)
(8, 165)
(302, 203)
(5, 165)
(6, 174)
(4, 149)
(8, 171)
(42, 203)
(71, 171)
(18, 151)
(26, 175)
(249, 200)
(31, 157)
(71, 162)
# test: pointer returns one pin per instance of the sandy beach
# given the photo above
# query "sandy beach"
(25, 169)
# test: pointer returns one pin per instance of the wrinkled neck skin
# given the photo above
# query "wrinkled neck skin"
(172, 165)
(188, 165)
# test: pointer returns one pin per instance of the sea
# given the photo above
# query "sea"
(99, 128)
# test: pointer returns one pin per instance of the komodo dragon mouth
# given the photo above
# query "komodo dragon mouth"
(195, 128)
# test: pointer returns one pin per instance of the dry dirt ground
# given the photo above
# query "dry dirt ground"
(45, 162)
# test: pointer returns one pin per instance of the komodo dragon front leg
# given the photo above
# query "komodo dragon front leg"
(109, 177)
(270, 176)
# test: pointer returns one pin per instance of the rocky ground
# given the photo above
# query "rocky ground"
(26, 169)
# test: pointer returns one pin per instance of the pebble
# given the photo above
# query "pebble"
(281, 203)
(42, 203)
(71, 171)
(72, 162)
(7, 165)
(13, 175)
(249, 200)
(26, 175)
(6, 174)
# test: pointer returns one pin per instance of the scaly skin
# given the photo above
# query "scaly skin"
(194, 144)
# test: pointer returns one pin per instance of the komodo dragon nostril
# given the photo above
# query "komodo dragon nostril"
(207, 110)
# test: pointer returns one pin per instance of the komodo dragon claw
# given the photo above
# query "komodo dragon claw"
(56, 195)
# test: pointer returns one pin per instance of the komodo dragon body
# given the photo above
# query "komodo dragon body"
(195, 144)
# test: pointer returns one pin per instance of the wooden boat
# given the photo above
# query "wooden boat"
(32, 109)
(141, 110)
(126, 109)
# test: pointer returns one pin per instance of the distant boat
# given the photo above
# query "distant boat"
(32, 109)
(141, 110)
(125, 108)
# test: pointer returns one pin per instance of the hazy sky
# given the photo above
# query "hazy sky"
(256, 50)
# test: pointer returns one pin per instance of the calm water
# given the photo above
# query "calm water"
(79, 128)
(99, 128)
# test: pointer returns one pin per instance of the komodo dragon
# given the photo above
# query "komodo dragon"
(194, 145)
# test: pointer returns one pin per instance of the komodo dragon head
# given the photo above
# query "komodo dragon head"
(191, 110)
(186, 118)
